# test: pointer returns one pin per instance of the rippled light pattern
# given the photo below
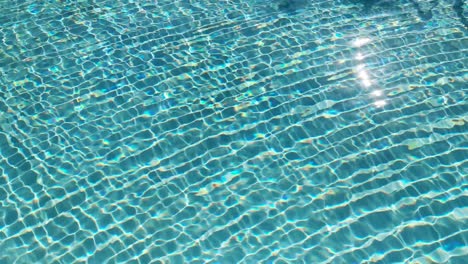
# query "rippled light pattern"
(239, 131)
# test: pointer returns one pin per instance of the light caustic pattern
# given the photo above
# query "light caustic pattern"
(231, 132)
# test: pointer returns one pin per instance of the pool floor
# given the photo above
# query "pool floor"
(233, 131)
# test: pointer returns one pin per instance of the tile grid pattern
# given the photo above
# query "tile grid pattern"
(231, 132)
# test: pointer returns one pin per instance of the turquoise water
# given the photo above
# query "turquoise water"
(241, 131)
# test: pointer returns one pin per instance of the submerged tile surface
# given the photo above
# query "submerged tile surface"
(232, 132)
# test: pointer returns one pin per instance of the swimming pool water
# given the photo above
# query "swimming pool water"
(241, 131)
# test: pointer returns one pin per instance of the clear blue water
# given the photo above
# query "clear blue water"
(242, 131)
